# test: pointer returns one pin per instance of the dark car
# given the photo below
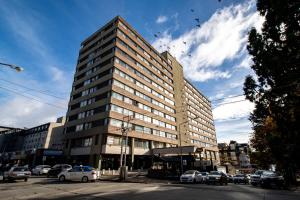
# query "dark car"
(215, 177)
(240, 178)
(270, 179)
(230, 178)
(56, 169)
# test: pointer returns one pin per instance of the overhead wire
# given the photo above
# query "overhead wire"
(32, 98)
(35, 90)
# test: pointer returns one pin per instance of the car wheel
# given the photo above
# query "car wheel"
(25, 179)
(62, 178)
(85, 179)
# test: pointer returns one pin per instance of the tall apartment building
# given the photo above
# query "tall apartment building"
(121, 78)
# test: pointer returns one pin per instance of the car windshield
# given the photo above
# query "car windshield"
(189, 172)
(56, 166)
(88, 168)
(204, 173)
(20, 169)
(215, 173)
(259, 172)
(239, 175)
(270, 173)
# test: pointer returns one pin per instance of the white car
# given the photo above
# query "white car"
(191, 176)
(204, 176)
(79, 173)
(41, 169)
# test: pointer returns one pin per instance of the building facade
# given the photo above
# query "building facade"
(45, 136)
(121, 80)
(28, 146)
(235, 156)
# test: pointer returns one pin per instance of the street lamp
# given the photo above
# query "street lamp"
(15, 67)
(180, 145)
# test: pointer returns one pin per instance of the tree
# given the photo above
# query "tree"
(275, 90)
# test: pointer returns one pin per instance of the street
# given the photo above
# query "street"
(43, 188)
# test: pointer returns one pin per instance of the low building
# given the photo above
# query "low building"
(37, 145)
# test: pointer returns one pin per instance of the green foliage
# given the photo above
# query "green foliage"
(275, 90)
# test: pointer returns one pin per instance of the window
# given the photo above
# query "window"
(81, 115)
(114, 122)
(117, 96)
(128, 100)
(87, 142)
(139, 128)
(147, 130)
(79, 127)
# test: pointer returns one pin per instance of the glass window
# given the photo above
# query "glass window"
(117, 96)
(139, 128)
(114, 122)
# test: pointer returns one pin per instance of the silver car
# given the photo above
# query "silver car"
(191, 176)
(41, 169)
(17, 173)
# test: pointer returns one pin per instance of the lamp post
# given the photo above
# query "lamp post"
(15, 67)
(180, 144)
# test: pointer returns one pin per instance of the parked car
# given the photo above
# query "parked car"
(215, 177)
(240, 178)
(269, 179)
(79, 173)
(191, 176)
(41, 169)
(255, 178)
(204, 176)
(56, 169)
(230, 178)
(17, 173)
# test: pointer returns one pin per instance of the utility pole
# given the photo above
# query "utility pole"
(124, 130)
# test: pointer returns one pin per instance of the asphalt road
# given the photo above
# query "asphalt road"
(43, 188)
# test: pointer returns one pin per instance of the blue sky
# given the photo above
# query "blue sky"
(44, 37)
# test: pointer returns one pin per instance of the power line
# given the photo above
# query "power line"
(232, 118)
(231, 102)
(40, 91)
(229, 97)
(38, 100)
(27, 92)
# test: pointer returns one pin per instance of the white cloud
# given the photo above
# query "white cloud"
(246, 63)
(223, 37)
(238, 130)
(22, 112)
(161, 19)
(57, 74)
(229, 110)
